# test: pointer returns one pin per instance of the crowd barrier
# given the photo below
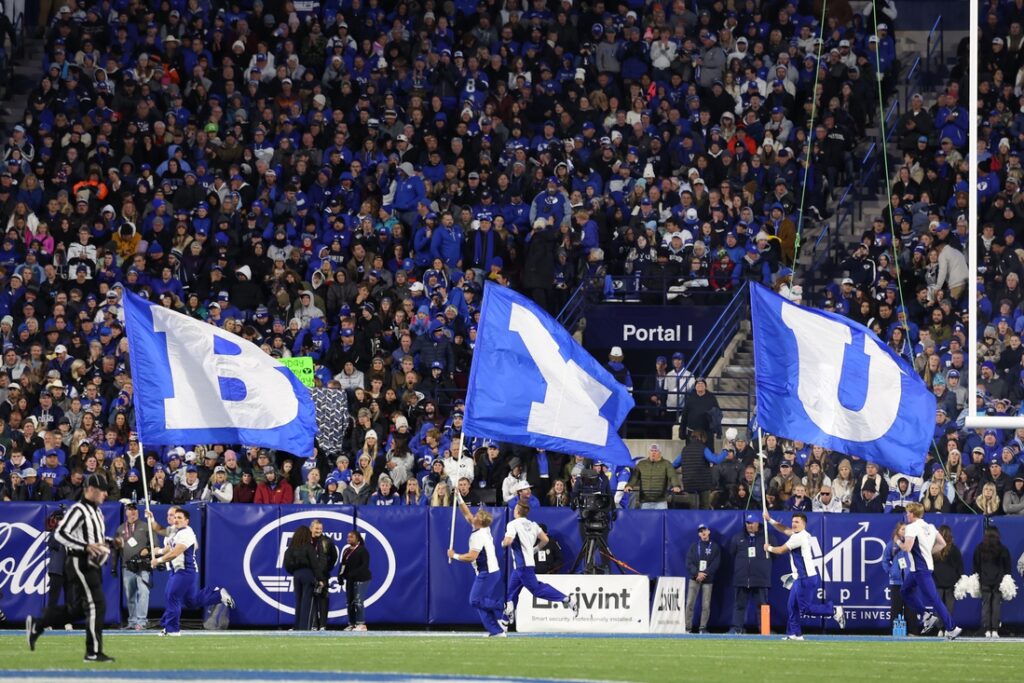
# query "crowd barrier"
(243, 550)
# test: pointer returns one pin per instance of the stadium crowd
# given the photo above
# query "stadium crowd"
(340, 180)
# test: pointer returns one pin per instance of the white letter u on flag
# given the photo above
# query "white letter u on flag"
(821, 344)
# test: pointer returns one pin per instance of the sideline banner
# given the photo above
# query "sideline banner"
(23, 559)
(608, 604)
(668, 608)
(395, 537)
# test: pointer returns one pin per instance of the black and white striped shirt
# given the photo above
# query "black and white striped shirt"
(81, 526)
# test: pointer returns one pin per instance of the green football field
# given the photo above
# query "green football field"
(704, 659)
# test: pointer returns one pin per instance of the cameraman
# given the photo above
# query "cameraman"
(132, 545)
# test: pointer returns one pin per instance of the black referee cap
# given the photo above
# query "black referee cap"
(97, 481)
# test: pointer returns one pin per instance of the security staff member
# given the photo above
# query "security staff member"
(82, 533)
(752, 570)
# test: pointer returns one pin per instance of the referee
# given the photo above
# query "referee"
(81, 532)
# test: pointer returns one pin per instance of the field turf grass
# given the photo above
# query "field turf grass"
(703, 659)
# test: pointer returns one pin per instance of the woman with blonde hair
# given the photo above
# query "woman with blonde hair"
(843, 485)
(989, 503)
(441, 497)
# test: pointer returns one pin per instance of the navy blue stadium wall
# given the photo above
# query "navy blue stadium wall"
(243, 549)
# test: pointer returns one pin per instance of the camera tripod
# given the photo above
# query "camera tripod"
(594, 546)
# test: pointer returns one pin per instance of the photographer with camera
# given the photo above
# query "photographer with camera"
(132, 549)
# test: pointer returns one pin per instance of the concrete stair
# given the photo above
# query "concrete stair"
(29, 66)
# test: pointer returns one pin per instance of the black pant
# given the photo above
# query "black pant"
(743, 597)
(83, 599)
(302, 584)
(56, 589)
(321, 603)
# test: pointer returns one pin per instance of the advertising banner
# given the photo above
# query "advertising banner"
(669, 605)
(23, 559)
(608, 604)
(396, 538)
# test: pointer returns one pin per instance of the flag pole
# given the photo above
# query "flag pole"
(455, 497)
(145, 494)
(764, 485)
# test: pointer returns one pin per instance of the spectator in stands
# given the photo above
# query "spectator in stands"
(219, 489)
(273, 490)
(1013, 499)
(358, 490)
(309, 493)
(652, 478)
(703, 559)
(701, 411)
(867, 499)
(826, 501)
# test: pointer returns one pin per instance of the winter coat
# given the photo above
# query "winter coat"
(991, 564)
(710, 553)
(747, 571)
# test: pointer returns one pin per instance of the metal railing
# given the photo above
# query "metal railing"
(936, 41)
(575, 307)
(721, 333)
(647, 414)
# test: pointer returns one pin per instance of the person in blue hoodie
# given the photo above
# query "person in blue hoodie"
(894, 559)
(409, 192)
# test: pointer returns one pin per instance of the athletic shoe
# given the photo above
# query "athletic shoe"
(139, 627)
(503, 625)
(792, 637)
(496, 635)
(995, 635)
(350, 627)
(99, 657)
(703, 631)
(510, 611)
(840, 616)
(952, 635)
(360, 627)
(226, 598)
(31, 634)
(988, 634)
(942, 634)
(573, 603)
(735, 632)
(929, 621)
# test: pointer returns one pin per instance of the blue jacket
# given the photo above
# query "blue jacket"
(709, 552)
(446, 244)
(409, 193)
(747, 571)
(891, 561)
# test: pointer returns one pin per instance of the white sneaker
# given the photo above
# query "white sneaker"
(573, 603)
(510, 612)
(942, 633)
(928, 622)
(840, 616)
(952, 635)
(226, 598)
(792, 637)
(988, 634)
(995, 635)
(360, 627)
(503, 625)
(503, 634)
(350, 627)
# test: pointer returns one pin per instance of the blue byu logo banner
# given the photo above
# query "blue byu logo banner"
(827, 380)
(532, 384)
(195, 383)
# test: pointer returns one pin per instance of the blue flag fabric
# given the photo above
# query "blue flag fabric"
(533, 385)
(826, 380)
(196, 383)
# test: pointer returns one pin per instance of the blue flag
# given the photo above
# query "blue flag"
(826, 380)
(196, 383)
(532, 384)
